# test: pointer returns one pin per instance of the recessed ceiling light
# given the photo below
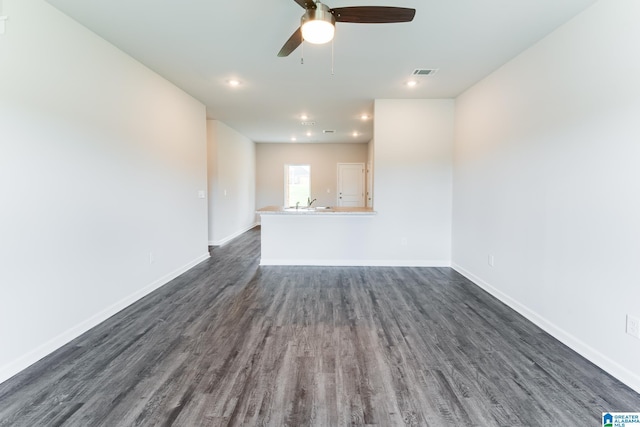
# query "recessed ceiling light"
(303, 117)
(355, 134)
(309, 133)
(364, 117)
(294, 139)
(233, 82)
(412, 83)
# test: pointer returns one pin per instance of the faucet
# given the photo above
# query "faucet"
(309, 201)
(297, 205)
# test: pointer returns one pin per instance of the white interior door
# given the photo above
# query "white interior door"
(351, 184)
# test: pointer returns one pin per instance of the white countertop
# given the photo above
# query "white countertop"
(280, 210)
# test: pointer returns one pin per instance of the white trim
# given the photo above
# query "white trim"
(9, 370)
(356, 262)
(631, 379)
(233, 236)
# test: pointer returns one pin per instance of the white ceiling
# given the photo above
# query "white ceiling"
(199, 45)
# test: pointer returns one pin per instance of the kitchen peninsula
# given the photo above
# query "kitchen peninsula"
(314, 236)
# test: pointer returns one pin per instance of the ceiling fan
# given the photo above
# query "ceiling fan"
(317, 25)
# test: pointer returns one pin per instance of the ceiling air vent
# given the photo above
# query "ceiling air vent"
(424, 71)
(328, 131)
(308, 123)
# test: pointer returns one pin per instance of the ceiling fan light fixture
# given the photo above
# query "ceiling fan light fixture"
(318, 32)
(318, 25)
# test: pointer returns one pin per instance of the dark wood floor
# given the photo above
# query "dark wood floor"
(231, 343)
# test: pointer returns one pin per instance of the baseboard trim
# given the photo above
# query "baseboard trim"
(231, 237)
(23, 362)
(594, 356)
(355, 262)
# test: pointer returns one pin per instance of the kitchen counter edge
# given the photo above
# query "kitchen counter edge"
(279, 210)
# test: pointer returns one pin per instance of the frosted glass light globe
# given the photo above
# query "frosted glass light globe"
(318, 32)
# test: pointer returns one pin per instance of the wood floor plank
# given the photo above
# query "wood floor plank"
(230, 343)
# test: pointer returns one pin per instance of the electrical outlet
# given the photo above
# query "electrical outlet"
(490, 260)
(633, 326)
(152, 258)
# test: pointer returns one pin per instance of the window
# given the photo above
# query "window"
(297, 184)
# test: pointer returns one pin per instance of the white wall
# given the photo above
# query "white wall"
(101, 161)
(370, 173)
(232, 182)
(323, 158)
(413, 180)
(547, 180)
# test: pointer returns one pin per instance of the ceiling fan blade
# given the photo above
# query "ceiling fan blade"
(373, 14)
(294, 41)
(306, 4)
